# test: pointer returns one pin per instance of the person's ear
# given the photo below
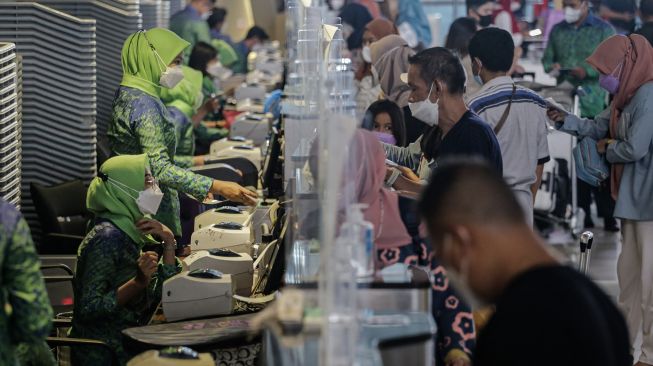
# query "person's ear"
(438, 90)
(462, 237)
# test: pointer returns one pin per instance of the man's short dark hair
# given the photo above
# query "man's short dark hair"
(494, 47)
(257, 32)
(475, 4)
(217, 16)
(468, 191)
(646, 8)
(439, 63)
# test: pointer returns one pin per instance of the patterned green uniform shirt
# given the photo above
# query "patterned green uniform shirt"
(570, 46)
(106, 259)
(26, 314)
(141, 124)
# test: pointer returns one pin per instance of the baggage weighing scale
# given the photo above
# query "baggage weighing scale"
(225, 235)
(239, 265)
(198, 293)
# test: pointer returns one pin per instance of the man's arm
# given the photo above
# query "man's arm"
(538, 180)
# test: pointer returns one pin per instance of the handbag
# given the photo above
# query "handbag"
(591, 167)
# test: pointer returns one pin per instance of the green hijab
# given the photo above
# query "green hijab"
(114, 199)
(226, 54)
(185, 96)
(141, 68)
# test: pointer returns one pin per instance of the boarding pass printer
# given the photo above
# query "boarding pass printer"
(222, 214)
(248, 152)
(239, 265)
(229, 142)
(198, 293)
(224, 235)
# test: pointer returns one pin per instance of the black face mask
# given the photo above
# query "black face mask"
(485, 21)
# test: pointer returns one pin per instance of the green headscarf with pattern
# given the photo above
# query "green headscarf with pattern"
(112, 195)
(141, 68)
(187, 95)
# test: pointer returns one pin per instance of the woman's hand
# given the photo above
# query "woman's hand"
(602, 145)
(147, 264)
(211, 105)
(459, 362)
(157, 229)
(199, 160)
(408, 173)
(234, 192)
(556, 115)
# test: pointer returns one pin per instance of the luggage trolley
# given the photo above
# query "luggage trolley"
(557, 201)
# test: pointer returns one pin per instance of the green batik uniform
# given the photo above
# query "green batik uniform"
(26, 314)
(203, 134)
(107, 259)
(188, 24)
(183, 101)
(226, 54)
(141, 124)
(570, 47)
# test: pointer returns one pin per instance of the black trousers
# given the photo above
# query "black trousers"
(604, 202)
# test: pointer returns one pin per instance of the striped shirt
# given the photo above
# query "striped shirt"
(523, 137)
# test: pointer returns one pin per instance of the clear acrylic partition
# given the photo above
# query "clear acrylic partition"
(319, 122)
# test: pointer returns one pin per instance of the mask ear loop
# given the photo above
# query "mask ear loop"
(121, 186)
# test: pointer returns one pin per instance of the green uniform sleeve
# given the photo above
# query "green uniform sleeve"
(31, 317)
(164, 272)
(96, 298)
(184, 161)
(201, 32)
(592, 73)
(150, 135)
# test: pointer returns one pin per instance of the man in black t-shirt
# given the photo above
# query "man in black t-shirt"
(437, 81)
(546, 314)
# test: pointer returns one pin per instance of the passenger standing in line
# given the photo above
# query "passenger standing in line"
(216, 21)
(460, 33)
(646, 13)
(570, 43)
(625, 136)
(437, 81)
(141, 124)
(546, 313)
(386, 120)
(517, 115)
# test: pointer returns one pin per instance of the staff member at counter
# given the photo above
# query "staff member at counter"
(141, 124)
(116, 285)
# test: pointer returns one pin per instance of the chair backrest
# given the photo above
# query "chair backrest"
(249, 170)
(61, 208)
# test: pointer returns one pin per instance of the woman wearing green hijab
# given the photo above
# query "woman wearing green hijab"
(184, 103)
(140, 123)
(116, 285)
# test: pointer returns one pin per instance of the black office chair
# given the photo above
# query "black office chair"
(246, 167)
(62, 214)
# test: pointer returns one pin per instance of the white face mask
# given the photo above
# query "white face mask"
(515, 5)
(149, 200)
(218, 71)
(171, 76)
(426, 111)
(367, 54)
(206, 16)
(572, 15)
(460, 281)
